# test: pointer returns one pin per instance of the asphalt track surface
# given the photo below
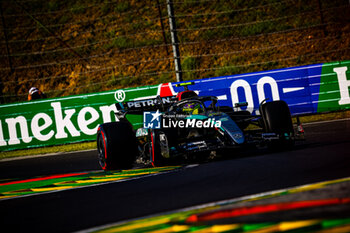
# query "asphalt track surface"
(325, 155)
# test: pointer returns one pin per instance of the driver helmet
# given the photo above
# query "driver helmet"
(193, 108)
(35, 93)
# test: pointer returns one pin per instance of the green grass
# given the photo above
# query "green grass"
(189, 64)
(92, 145)
(119, 42)
(122, 7)
(49, 150)
(324, 117)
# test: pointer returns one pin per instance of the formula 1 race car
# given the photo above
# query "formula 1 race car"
(186, 126)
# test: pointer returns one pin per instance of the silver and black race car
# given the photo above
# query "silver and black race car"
(188, 126)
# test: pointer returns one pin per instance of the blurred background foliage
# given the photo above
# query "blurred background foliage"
(73, 47)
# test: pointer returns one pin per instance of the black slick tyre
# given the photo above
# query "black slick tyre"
(277, 119)
(116, 145)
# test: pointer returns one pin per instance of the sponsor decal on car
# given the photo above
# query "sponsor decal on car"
(148, 102)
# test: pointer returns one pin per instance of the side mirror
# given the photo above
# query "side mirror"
(241, 104)
(141, 132)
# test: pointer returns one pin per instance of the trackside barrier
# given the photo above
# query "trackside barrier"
(307, 89)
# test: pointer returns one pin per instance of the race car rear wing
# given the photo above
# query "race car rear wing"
(142, 105)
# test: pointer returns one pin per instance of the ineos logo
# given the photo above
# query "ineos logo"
(119, 95)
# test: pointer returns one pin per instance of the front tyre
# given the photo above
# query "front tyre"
(116, 145)
(277, 119)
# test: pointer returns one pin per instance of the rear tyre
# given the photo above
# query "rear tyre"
(116, 145)
(277, 119)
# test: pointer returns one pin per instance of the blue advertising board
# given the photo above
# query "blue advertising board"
(294, 85)
(306, 89)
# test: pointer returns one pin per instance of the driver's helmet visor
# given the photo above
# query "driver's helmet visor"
(192, 108)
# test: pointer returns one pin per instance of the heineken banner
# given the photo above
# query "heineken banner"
(306, 89)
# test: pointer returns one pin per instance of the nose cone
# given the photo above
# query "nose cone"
(237, 136)
(231, 128)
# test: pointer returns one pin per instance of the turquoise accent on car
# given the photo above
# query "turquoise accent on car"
(197, 117)
(230, 127)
